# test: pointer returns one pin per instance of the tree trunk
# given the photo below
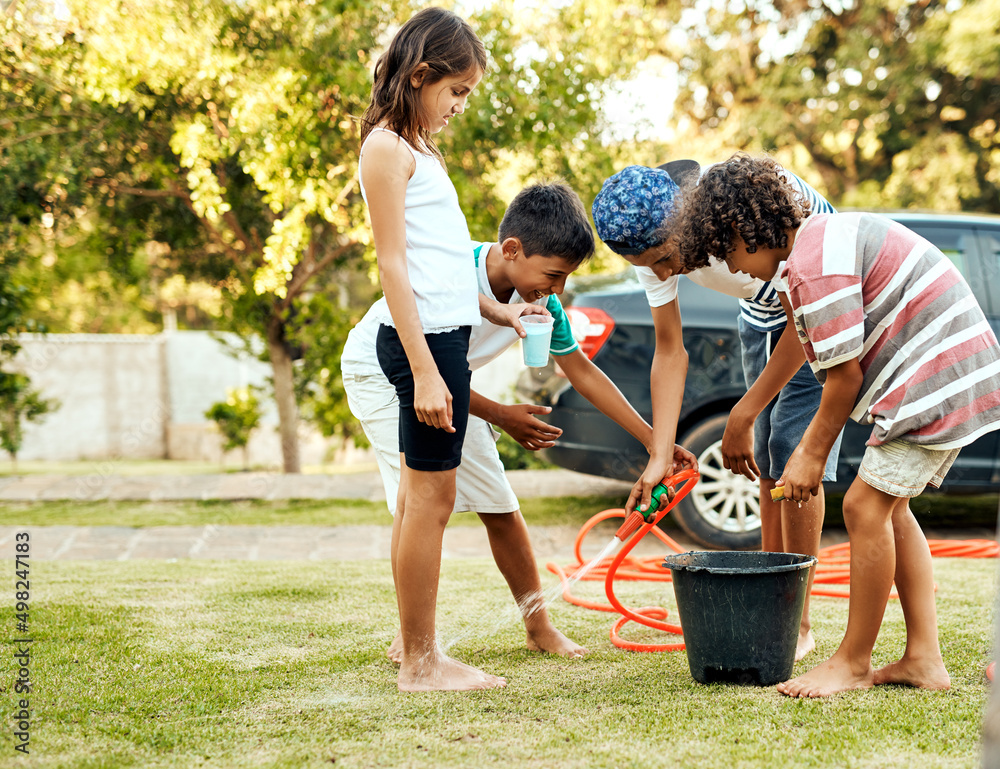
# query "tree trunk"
(284, 396)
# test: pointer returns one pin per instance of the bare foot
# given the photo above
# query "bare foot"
(439, 673)
(395, 650)
(804, 645)
(924, 674)
(830, 677)
(552, 641)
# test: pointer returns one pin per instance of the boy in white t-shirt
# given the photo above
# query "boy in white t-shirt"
(544, 236)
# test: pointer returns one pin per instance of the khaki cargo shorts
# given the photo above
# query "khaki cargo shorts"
(905, 469)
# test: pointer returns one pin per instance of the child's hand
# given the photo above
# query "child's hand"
(656, 470)
(432, 401)
(737, 446)
(802, 477)
(501, 314)
(683, 460)
(519, 422)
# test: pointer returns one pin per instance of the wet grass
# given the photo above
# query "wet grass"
(225, 664)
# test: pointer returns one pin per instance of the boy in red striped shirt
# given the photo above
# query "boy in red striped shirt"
(895, 334)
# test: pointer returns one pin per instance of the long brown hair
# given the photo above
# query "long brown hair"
(438, 38)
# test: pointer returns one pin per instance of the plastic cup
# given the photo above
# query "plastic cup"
(535, 346)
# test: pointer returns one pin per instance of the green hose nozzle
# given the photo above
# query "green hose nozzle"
(658, 497)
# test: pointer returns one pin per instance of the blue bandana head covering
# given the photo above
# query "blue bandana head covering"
(632, 207)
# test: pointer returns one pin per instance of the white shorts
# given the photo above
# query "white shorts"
(480, 482)
(905, 469)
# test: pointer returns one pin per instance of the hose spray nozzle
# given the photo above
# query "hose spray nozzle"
(635, 519)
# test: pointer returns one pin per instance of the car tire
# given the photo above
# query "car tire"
(722, 511)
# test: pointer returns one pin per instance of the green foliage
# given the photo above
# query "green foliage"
(537, 111)
(198, 161)
(221, 134)
(236, 417)
(19, 403)
(885, 103)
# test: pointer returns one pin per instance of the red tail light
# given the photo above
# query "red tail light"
(591, 328)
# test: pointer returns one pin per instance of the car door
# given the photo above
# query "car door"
(987, 286)
(966, 246)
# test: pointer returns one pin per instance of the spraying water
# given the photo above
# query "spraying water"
(536, 602)
(583, 571)
(662, 498)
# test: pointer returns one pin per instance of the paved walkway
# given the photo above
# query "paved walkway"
(273, 543)
(265, 542)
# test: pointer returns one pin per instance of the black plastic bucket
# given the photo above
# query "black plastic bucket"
(740, 612)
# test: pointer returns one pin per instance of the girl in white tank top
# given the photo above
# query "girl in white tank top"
(428, 277)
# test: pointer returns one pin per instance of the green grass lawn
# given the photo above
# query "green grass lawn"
(543, 511)
(225, 664)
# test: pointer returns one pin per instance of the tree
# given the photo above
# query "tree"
(893, 103)
(226, 134)
(221, 129)
(19, 403)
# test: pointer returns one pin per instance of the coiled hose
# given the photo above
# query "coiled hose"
(832, 569)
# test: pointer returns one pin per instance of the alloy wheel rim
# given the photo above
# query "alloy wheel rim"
(726, 501)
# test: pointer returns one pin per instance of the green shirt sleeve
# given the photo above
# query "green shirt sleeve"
(563, 342)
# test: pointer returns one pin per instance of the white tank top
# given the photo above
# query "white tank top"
(442, 275)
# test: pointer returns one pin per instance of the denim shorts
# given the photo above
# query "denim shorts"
(424, 447)
(780, 426)
(904, 469)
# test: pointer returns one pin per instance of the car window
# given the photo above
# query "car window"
(959, 245)
(990, 240)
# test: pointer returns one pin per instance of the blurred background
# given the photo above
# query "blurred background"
(183, 245)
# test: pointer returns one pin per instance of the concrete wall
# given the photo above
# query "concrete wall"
(144, 397)
(138, 396)
(112, 393)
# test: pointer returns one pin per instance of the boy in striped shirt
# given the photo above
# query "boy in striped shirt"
(896, 336)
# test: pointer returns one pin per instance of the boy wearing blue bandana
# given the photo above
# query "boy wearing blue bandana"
(633, 213)
(544, 236)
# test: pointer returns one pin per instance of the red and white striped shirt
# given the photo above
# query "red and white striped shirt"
(863, 286)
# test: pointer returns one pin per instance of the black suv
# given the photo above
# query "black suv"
(612, 321)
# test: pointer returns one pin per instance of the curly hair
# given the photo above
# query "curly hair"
(746, 197)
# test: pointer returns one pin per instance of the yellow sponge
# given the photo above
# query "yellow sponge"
(777, 493)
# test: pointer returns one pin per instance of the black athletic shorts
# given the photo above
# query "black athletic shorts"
(425, 447)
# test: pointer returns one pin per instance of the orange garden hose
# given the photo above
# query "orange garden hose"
(833, 568)
(636, 569)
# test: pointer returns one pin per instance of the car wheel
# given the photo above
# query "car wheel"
(723, 509)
